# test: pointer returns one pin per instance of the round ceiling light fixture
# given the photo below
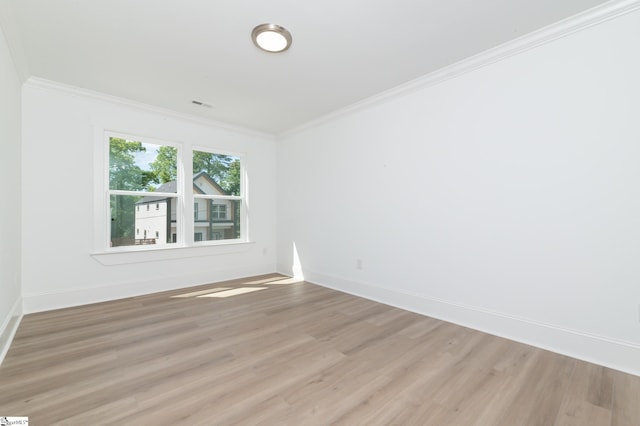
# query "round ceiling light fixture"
(271, 38)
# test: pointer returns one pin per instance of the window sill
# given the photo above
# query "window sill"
(127, 256)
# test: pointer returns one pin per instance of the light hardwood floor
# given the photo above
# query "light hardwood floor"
(271, 351)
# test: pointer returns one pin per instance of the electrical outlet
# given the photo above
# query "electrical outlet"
(359, 264)
(265, 251)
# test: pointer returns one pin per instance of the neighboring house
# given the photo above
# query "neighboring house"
(155, 217)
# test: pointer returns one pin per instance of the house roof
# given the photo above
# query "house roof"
(172, 187)
(209, 179)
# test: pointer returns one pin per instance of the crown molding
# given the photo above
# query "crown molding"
(581, 21)
(41, 83)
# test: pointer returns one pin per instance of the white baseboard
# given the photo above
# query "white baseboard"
(608, 352)
(83, 296)
(9, 327)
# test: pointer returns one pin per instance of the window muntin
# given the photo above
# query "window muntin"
(218, 195)
(218, 211)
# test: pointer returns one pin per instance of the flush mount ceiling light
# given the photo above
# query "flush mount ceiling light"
(271, 38)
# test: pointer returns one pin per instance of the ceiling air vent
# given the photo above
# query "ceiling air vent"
(202, 104)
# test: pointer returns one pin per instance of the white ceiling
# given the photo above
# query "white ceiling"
(168, 53)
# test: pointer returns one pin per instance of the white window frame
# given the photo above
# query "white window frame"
(184, 247)
(178, 196)
(244, 234)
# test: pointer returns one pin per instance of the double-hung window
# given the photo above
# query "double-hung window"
(150, 203)
(144, 192)
(217, 183)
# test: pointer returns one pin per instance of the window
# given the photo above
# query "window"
(218, 211)
(143, 172)
(140, 173)
(219, 195)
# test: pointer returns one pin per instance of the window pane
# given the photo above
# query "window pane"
(133, 223)
(138, 166)
(216, 174)
(217, 220)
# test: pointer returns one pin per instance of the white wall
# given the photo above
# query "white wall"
(59, 132)
(10, 116)
(506, 199)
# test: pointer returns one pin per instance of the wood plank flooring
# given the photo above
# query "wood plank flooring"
(272, 351)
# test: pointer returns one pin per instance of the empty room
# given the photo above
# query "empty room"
(314, 213)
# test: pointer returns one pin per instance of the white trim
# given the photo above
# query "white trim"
(184, 186)
(100, 181)
(9, 327)
(240, 155)
(40, 302)
(41, 83)
(218, 197)
(613, 353)
(138, 254)
(563, 28)
(143, 193)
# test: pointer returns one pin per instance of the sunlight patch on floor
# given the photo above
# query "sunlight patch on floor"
(273, 281)
(201, 292)
(262, 281)
(241, 287)
(233, 292)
